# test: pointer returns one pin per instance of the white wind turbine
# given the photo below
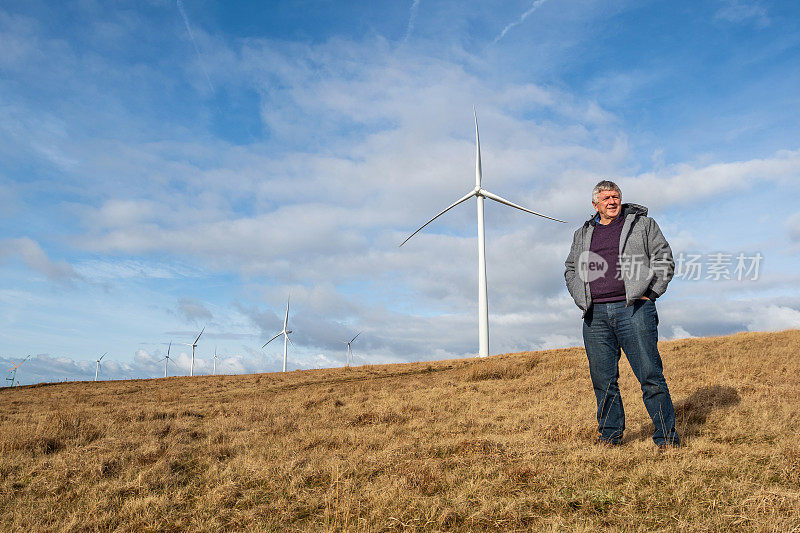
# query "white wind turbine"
(480, 193)
(348, 343)
(97, 368)
(285, 334)
(166, 358)
(215, 362)
(194, 345)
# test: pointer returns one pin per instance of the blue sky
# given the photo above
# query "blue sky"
(166, 166)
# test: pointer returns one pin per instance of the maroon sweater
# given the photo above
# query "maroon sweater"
(605, 243)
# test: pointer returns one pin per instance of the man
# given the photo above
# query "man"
(618, 265)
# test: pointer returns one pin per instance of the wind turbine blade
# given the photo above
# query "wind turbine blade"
(496, 198)
(290, 340)
(20, 363)
(198, 337)
(272, 339)
(461, 200)
(354, 338)
(286, 319)
(101, 357)
(478, 173)
(169, 348)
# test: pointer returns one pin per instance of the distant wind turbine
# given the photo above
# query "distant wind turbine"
(348, 343)
(13, 370)
(285, 334)
(194, 345)
(215, 362)
(480, 193)
(166, 358)
(97, 368)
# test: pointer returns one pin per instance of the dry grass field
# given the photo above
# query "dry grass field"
(503, 443)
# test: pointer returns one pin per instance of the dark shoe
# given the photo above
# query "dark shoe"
(606, 443)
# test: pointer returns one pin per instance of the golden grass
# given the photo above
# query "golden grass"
(465, 445)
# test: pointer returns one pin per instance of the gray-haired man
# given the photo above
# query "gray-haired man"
(618, 265)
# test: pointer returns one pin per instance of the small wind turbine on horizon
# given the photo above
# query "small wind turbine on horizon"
(166, 358)
(348, 343)
(97, 368)
(481, 193)
(13, 371)
(194, 345)
(285, 334)
(214, 373)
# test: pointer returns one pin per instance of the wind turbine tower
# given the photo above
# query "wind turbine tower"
(194, 345)
(97, 368)
(348, 343)
(215, 362)
(286, 331)
(480, 193)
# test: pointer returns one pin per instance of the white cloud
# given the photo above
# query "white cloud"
(715, 310)
(103, 270)
(194, 310)
(36, 259)
(774, 318)
(678, 332)
(340, 211)
(684, 183)
(412, 17)
(534, 6)
(120, 213)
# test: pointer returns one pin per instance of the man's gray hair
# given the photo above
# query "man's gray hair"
(604, 185)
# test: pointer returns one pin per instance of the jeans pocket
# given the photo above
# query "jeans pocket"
(655, 310)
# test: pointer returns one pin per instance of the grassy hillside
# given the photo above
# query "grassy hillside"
(479, 444)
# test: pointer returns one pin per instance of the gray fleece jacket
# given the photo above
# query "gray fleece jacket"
(646, 264)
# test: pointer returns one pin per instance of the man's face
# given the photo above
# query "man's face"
(608, 205)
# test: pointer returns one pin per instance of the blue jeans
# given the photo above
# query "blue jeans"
(607, 327)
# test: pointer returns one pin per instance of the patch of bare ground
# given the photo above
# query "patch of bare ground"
(503, 443)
